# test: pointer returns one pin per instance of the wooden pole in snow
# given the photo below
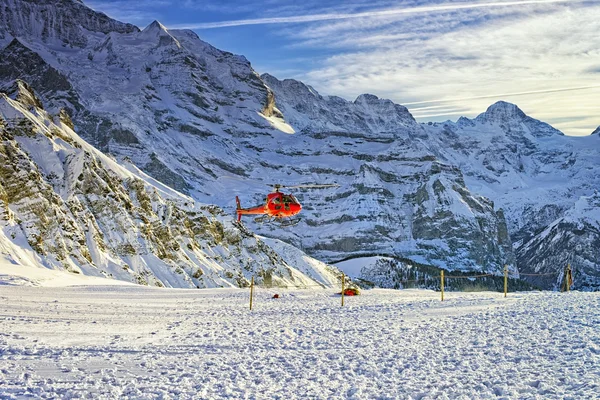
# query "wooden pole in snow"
(442, 283)
(505, 279)
(343, 288)
(251, 292)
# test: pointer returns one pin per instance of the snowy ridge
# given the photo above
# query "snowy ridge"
(541, 180)
(57, 23)
(306, 110)
(574, 240)
(66, 206)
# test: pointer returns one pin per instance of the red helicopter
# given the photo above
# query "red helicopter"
(278, 206)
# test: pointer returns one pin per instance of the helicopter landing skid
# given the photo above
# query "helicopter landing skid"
(282, 222)
(288, 222)
(262, 219)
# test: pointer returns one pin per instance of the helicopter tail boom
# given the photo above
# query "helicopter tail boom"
(245, 211)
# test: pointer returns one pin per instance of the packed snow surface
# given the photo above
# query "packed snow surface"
(137, 342)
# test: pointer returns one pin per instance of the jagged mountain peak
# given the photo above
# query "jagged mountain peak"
(518, 123)
(155, 28)
(597, 131)
(67, 21)
(307, 111)
(158, 30)
(21, 92)
(297, 86)
(367, 98)
(464, 122)
(502, 111)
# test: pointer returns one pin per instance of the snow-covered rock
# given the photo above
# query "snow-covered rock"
(306, 110)
(66, 23)
(66, 206)
(531, 171)
(574, 240)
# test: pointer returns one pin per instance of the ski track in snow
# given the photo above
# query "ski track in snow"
(127, 342)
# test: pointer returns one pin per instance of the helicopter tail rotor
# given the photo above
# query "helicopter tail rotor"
(239, 207)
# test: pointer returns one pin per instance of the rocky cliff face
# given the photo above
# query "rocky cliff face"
(397, 197)
(66, 206)
(306, 110)
(573, 239)
(63, 22)
(19, 62)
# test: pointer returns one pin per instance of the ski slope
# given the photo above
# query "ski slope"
(137, 342)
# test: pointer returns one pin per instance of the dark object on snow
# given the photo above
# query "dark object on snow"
(351, 292)
(275, 296)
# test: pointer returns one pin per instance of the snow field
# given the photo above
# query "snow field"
(106, 342)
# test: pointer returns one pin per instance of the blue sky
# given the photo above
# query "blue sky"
(441, 59)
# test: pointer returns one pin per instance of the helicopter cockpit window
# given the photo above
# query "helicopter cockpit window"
(289, 199)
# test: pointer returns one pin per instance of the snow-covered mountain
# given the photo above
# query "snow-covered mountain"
(67, 23)
(572, 239)
(531, 171)
(452, 195)
(519, 162)
(66, 206)
(306, 110)
(202, 121)
(537, 176)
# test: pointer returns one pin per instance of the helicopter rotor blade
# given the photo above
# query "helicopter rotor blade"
(323, 186)
(307, 186)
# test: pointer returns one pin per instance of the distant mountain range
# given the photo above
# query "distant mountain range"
(472, 195)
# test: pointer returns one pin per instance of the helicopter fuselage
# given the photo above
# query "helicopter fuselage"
(277, 205)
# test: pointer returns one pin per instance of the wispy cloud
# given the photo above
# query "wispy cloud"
(545, 59)
(366, 14)
(225, 8)
(501, 95)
